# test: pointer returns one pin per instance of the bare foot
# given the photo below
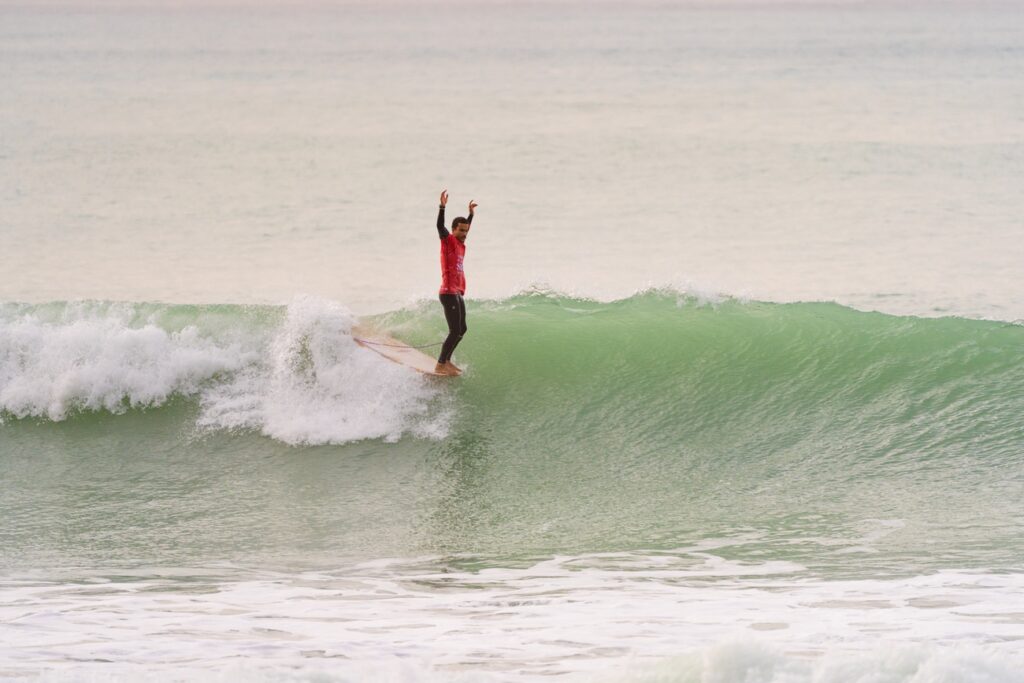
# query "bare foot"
(453, 366)
(443, 369)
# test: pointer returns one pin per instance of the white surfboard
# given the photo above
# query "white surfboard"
(395, 350)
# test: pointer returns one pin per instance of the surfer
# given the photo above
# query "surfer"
(453, 283)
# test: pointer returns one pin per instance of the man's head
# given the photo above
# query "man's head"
(460, 228)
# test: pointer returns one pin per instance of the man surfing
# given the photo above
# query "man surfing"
(453, 283)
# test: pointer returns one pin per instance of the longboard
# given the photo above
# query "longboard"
(395, 350)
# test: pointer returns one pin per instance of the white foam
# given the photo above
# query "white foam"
(302, 382)
(315, 385)
(755, 662)
(96, 360)
(691, 617)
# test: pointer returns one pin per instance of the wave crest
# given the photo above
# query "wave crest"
(661, 370)
(293, 374)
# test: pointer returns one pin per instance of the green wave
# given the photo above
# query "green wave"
(657, 419)
(811, 432)
(661, 371)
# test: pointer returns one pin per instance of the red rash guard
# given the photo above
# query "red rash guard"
(453, 276)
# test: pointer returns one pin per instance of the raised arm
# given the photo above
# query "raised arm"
(442, 231)
(472, 208)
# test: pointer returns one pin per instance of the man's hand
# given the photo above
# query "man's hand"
(472, 205)
(444, 197)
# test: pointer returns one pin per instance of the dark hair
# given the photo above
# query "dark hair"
(458, 221)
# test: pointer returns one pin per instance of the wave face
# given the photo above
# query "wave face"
(661, 371)
(657, 371)
(659, 418)
(836, 439)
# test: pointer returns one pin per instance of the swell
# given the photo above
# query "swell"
(839, 440)
(657, 370)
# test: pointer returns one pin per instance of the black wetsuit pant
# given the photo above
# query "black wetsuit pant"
(455, 314)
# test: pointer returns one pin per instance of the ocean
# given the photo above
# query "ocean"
(744, 371)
